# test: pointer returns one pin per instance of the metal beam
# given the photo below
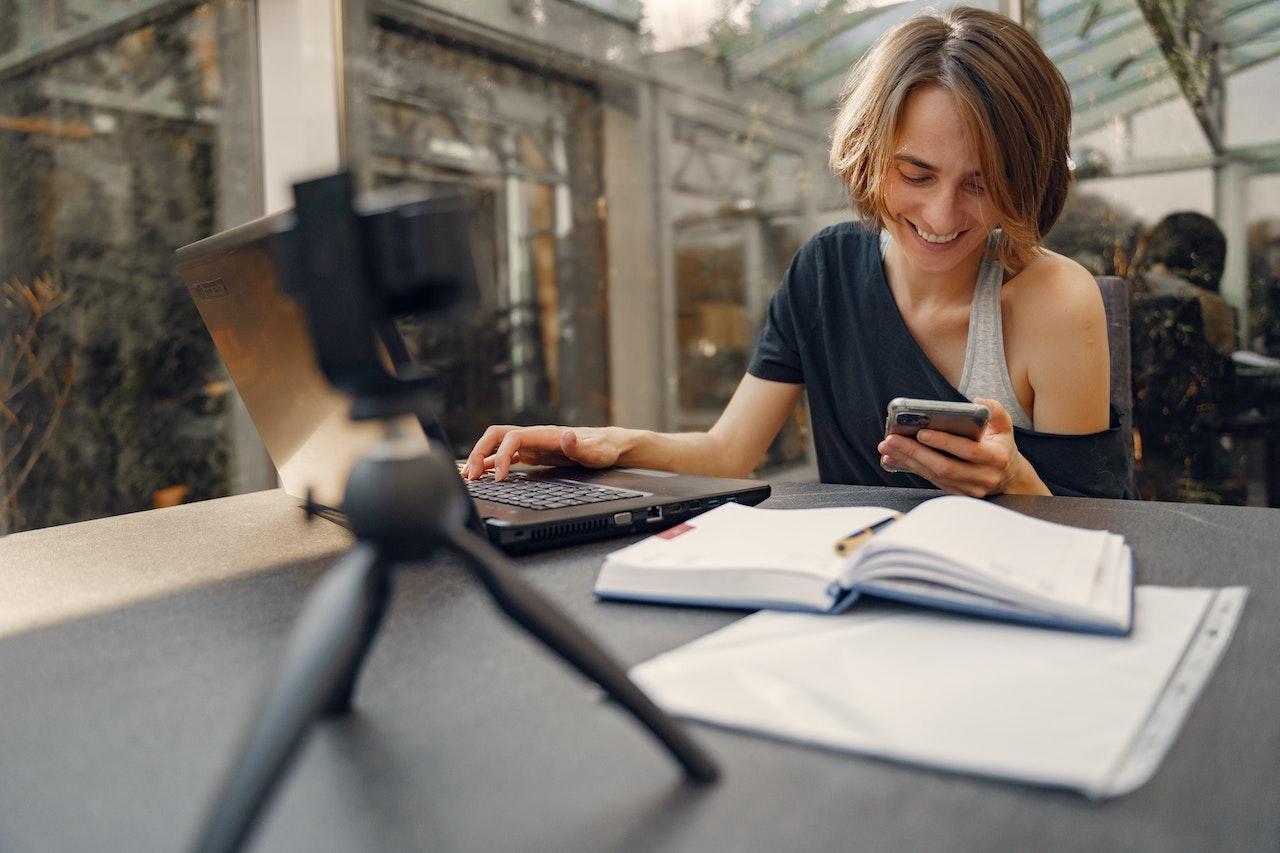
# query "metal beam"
(1258, 158)
(157, 102)
(1254, 54)
(1062, 20)
(1082, 52)
(1073, 47)
(1138, 95)
(40, 42)
(1194, 67)
(1118, 77)
(44, 127)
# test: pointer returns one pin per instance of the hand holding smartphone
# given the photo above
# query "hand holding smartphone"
(907, 417)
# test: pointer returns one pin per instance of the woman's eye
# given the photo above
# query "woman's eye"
(917, 181)
(976, 189)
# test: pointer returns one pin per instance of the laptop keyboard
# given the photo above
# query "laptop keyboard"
(544, 493)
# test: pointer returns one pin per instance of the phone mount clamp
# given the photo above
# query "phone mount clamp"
(350, 270)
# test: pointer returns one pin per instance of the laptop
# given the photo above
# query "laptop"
(261, 335)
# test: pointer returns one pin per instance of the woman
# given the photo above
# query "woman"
(952, 137)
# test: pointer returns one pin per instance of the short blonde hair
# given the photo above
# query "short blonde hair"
(1013, 99)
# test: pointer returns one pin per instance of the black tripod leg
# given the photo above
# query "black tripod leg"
(542, 619)
(376, 594)
(315, 676)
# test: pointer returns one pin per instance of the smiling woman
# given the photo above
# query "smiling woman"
(952, 140)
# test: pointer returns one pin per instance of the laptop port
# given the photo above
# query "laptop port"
(655, 514)
(621, 518)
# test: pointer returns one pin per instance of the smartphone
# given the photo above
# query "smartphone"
(908, 417)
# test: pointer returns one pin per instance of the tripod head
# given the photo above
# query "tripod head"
(353, 266)
(410, 503)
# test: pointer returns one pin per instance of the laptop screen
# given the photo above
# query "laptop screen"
(261, 335)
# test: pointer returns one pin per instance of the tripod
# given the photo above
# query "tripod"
(351, 268)
(403, 506)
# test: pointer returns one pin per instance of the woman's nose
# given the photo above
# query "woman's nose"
(942, 213)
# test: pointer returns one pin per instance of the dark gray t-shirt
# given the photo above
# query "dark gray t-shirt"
(833, 326)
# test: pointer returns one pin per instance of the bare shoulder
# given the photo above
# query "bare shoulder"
(1055, 303)
(1053, 281)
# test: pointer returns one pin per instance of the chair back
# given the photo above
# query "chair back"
(1115, 298)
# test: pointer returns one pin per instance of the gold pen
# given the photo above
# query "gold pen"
(857, 539)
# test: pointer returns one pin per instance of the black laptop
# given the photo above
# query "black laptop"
(261, 335)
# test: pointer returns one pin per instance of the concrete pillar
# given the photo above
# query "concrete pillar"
(1230, 185)
(239, 200)
(666, 260)
(636, 257)
(301, 94)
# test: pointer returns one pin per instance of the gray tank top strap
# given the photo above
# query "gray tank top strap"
(986, 372)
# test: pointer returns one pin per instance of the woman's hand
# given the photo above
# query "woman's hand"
(988, 465)
(502, 446)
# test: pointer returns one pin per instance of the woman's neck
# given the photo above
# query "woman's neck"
(915, 288)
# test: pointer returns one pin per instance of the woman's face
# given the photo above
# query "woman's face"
(937, 206)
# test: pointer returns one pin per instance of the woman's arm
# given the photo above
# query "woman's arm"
(731, 448)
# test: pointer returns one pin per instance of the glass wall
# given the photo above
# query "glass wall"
(122, 137)
(1175, 150)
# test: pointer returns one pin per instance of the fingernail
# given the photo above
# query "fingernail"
(924, 436)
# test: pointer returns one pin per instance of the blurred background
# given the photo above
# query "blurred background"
(645, 171)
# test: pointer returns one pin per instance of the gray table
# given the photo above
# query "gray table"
(114, 726)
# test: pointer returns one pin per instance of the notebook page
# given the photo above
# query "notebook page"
(734, 538)
(1047, 560)
(1109, 608)
(989, 698)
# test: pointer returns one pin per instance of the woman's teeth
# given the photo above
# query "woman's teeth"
(937, 238)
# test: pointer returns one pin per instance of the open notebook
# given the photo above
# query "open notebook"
(952, 553)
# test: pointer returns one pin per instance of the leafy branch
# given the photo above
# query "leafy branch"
(35, 386)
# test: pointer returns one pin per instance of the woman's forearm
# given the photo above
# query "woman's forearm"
(731, 448)
(685, 452)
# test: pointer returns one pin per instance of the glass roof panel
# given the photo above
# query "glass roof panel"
(1104, 48)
